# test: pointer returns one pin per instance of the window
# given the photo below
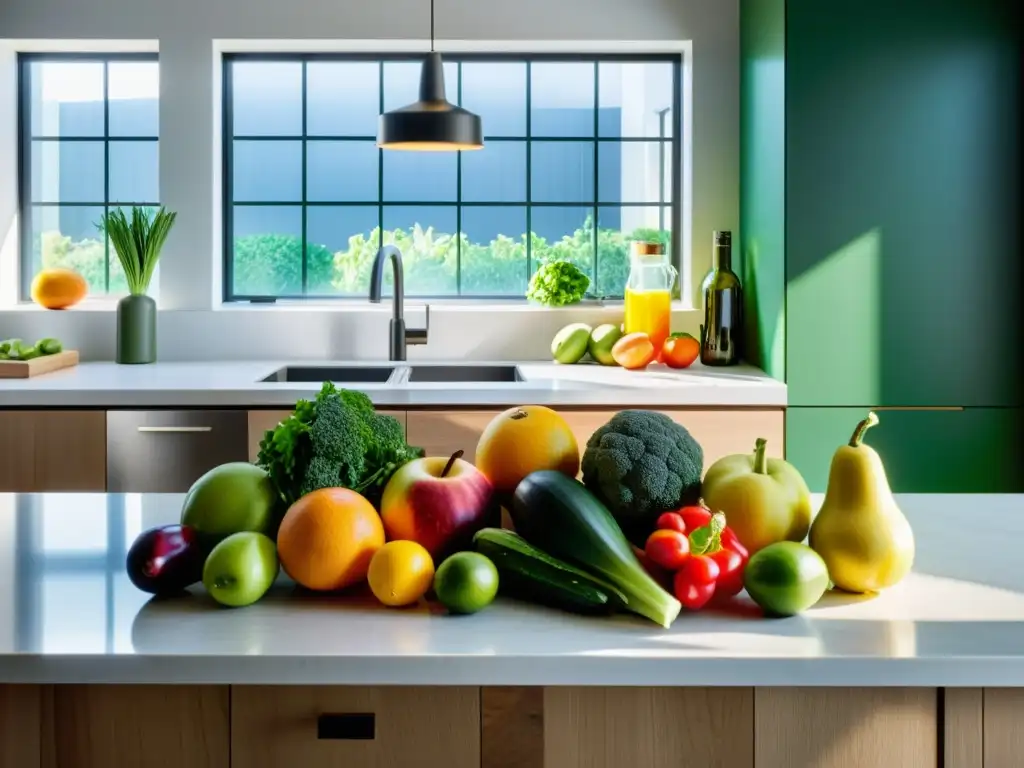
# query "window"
(89, 128)
(581, 152)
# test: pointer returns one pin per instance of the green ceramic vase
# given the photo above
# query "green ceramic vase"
(136, 330)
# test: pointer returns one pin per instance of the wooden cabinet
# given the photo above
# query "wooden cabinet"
(20, 727)
(984, 728)
(143, 726)
(649, 728)
(331, 726)
(845, 727)
(969, 450)
(52, 451)
(720, 432)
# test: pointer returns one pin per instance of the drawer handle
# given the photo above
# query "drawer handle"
(347, 727)
(175, 429)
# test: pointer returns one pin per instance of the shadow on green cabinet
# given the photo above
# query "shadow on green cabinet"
(974, 450)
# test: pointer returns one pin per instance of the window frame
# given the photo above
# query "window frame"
(25, 140)
(677, 141)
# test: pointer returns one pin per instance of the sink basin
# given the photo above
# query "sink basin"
(464, 373)
(368, 374)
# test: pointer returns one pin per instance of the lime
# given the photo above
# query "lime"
(466, 582)
(785, 578)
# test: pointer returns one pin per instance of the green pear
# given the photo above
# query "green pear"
(860, 532)
(240, 569)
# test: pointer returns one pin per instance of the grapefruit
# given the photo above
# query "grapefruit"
(327, 539)
(524, 440)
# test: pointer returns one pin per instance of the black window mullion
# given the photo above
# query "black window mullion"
(106, 173)
(305, 253)
(597, 168)
(458, 196)
(227, 183)
(380, 168)
(529, 171)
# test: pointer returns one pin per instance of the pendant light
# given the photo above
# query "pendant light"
(432, 124)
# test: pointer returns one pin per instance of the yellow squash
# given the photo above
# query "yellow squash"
(764, 500)
(860, 533)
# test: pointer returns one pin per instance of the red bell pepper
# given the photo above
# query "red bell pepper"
(715, 560)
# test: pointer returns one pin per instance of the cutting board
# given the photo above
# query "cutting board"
(24, 369)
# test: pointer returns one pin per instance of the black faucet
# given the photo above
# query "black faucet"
(400, 337)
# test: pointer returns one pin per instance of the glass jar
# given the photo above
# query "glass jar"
(649, 292)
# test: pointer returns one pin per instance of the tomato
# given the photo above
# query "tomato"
(680, 350)
(697, 517)
(730, 565)
(669, 549)
(671, 521)
(694, 584)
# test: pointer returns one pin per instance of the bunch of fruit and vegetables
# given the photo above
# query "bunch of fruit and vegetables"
(16, 349)
(338, 499)
(607, 345)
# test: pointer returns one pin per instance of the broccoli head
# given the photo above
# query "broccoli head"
(338, 436)
(640, 464)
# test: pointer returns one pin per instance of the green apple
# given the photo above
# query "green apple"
(240, 569)
(602, 339)
(570, 343)
(228, 499)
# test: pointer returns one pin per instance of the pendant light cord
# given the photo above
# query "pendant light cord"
(431, 26)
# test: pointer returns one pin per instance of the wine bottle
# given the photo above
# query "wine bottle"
(721, 333)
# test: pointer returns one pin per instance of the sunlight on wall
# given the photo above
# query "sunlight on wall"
(836, 309)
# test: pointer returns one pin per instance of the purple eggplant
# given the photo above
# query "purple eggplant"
(166, 560)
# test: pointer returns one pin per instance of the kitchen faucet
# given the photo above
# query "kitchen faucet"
(400, 337)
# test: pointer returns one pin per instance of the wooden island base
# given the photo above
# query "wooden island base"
(149, 726)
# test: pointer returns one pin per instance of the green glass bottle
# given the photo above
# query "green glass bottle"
(721, 333)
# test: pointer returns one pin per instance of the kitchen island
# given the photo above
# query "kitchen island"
(930, 670)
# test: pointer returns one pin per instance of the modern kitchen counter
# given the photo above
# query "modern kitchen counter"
(238, 384)
(69, 614)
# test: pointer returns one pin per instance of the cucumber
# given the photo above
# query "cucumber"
(529, 573)
(558, 514)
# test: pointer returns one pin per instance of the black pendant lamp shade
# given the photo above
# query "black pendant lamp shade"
(432, 124)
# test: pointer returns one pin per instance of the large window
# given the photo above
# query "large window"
(580, 152)
(89, 128)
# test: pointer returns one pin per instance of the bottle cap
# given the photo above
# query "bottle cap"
(723, 237)
(645, 248)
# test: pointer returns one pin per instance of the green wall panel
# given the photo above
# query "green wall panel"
(975, 450)
(762, 181)
(902, 190)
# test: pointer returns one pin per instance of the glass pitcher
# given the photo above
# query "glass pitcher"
(649, 292)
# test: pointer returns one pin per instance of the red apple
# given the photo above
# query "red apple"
(165, 560)
(438, 502)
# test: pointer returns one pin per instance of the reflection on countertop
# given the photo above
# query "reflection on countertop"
(69, 613)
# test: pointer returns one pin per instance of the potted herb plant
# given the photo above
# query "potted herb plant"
(137, 242)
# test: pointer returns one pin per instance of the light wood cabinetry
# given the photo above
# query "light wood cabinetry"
(845, 727)
(328, 726)
(142, 726)
(1003, 736)
(963, 740)
(441, 433)
(649, 727)
(52, 451)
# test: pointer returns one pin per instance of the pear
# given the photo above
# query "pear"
(860, 533)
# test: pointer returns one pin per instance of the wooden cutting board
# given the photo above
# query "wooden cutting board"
(24, 369)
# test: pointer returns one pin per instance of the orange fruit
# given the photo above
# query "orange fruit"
(524, 440)
(633, 351)
(58, 288)
(327, 538)
(400, 573)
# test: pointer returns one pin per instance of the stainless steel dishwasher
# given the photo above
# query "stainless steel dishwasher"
(166, 451)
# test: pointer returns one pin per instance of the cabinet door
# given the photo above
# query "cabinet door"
(20, 707)
(975, 450)
(845, 727)
(341, 726)
(143, 726)
(52, 451)
(903, 265)
(1004, 727)
(441, 433)
(649, 727)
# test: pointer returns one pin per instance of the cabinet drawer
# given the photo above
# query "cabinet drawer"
(328, 726)
(166, 451)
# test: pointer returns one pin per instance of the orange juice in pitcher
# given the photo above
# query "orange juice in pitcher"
(649, 292)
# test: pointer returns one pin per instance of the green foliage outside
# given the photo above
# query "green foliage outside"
(271, 265)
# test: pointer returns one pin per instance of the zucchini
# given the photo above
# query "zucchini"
(531, 574)
(560, 516)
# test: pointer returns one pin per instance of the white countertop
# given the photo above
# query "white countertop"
(69, 614)
(238, 384)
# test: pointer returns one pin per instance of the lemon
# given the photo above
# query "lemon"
(400, 573)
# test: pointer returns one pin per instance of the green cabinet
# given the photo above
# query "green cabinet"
(974, 450)
(903, 270)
